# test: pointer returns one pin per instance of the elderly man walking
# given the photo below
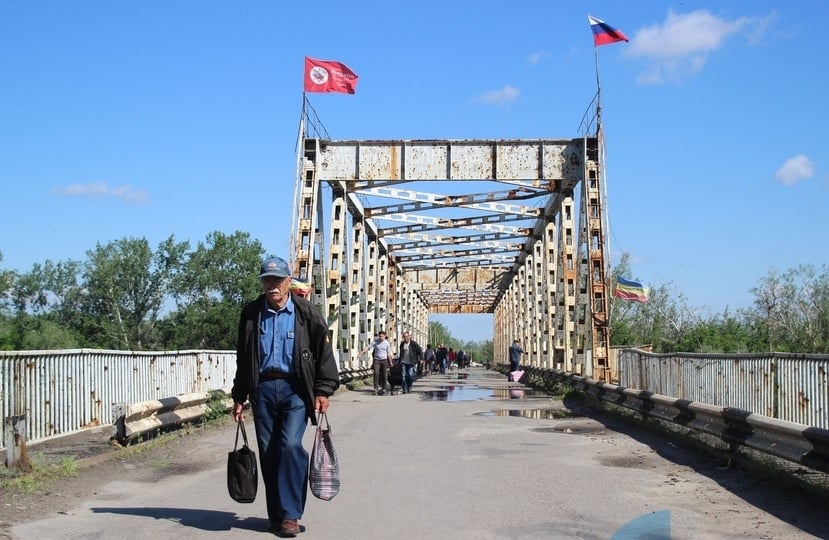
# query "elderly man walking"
(285, 366)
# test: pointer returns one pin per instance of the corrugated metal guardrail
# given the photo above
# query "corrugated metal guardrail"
(786, 386)
(63, 391)
(791, 441)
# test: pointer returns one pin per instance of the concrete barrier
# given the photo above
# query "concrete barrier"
(131, 420)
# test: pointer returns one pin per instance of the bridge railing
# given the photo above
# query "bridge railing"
(61, 392)
(798, 443)
(790, 387)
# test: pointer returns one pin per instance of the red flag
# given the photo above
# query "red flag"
(328, 76)
(603, 33)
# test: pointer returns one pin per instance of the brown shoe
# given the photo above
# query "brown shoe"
(291, 527)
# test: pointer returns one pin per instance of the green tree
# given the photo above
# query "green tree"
(480, 351)
(7, 332)
(42, 333)
(791, 310)
(724, 333)
(438, 333)
(665, 321)
(51, 289)
(6, 282)
(126, 286)
(44, 307)
(218, 278)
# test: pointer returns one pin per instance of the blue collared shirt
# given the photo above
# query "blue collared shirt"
(276, 337)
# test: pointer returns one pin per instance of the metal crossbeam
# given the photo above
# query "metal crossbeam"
(420, 201)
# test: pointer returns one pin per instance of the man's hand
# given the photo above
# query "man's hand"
(320, 404)
(236, 412)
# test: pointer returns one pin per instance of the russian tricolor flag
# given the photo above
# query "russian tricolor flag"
(603, 33)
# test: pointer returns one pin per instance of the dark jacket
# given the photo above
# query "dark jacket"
(314, 362)
(417, 352)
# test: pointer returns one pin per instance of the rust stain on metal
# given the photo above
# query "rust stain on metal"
(394, 164)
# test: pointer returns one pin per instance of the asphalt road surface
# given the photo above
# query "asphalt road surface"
(463, 456)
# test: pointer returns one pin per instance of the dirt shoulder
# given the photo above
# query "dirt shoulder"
(95, 461)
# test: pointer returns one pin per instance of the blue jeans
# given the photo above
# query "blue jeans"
(408, 376)
(279, 416)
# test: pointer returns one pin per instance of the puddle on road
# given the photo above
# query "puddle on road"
(521, 393)
(457, 393)
(473, 393)
(537, 414)
(576, 430)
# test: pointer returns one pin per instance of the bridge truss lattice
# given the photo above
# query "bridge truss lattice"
(389, 231)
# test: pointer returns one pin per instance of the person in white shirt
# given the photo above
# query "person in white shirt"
(381, 356)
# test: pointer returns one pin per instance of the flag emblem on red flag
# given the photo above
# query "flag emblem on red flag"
(329, 76)
(603, 33)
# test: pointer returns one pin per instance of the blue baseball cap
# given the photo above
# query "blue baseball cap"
(275, 267)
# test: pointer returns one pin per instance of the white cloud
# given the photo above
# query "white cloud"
(537, 57)
(679, 47)
(794, 170)
(498, 97)
(102, 190)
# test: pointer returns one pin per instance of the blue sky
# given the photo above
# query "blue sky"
(157, 118)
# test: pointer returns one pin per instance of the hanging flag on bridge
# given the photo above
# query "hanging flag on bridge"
(603, 33)
(329, 76)
(630, 290)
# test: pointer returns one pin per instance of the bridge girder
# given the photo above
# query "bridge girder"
(489, 226)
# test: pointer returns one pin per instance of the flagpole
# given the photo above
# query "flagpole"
(603, 34)
(299, 149)
(598, 92)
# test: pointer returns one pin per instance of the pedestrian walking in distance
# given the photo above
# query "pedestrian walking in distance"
(410, 355)
(515, 352)
(381, 358)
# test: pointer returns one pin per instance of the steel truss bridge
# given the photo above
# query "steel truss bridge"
(389, 231)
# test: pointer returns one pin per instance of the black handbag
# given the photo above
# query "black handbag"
(242, 473)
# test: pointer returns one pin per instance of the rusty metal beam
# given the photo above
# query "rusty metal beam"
(468, 226)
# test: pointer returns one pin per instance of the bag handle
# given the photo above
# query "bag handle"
(240, 426)
(323, 416)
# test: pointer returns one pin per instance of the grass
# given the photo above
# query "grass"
(44, 474)
(40, 477)
(358, 384)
